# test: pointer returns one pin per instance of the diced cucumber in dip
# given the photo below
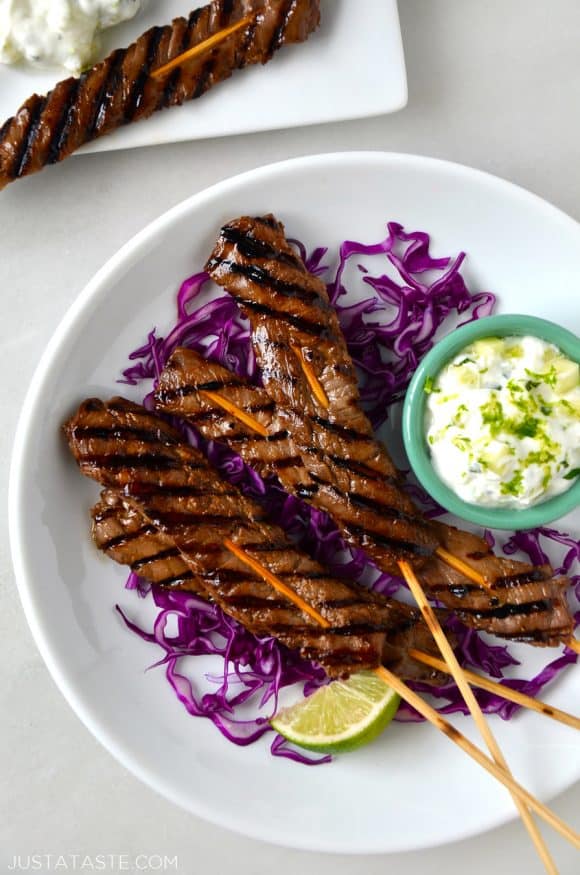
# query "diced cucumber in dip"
(59, 33)
(503, 422)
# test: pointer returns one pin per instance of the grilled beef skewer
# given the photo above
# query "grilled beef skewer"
(512, 609)
(118, 532)
(402, 533)
(120, 89)
(172, 489)
(292, 323)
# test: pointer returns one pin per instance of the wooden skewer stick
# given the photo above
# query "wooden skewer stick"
(426, 710)
(236, 411)
(430, 714)
(574, 645)
(205, 46)
(456, 671)
(461, 566)
(313, 380)
(502, 690)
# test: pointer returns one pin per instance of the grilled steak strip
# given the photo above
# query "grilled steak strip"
(289, 309)
(120, 89)
(514, 609)
(172, 488)
(395, 525)
(118, 532)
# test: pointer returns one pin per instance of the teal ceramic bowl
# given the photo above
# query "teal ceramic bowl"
(414, 419)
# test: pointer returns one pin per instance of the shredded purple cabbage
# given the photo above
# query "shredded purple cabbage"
(411, 299)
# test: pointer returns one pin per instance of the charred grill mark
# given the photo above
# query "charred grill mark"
(278, 35)
(306, 491)
(246, 45)
(194, 19)
(226, 11)
(22, 157)
(135, 98)
(106, 513)
(304, 325)
(535, 575)
(363, 470)
(145, 436)
(203, 81)
(395, 546)
(149, 461)
(261, 277)
(167, 396)
(127, 537)
(107, 90)
(278, 436)
(169, 553)
(251, 247)
(175, 77)
(342, 430)
(259, 547)
(510, 610)
(385, 510)
(61, 129)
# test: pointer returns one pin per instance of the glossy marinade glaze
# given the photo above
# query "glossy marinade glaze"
(167, 500)
(120, 89)
(289, 310)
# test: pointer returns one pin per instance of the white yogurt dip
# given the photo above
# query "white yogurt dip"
(503, 422)
(60, 33)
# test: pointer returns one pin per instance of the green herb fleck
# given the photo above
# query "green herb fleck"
(464, 361)
(513, 486)
(539, 457)
(462, 443)
(528, 427)
(549, 377)
(546, 478)
(571, 475)
(430, 386)
(492, 415)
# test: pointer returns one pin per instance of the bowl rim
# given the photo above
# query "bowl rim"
(501, 325)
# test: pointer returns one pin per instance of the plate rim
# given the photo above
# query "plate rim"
(22, 435)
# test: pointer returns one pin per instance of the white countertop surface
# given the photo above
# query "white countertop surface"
(492, 84)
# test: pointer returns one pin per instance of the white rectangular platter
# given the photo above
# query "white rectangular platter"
(353, 67)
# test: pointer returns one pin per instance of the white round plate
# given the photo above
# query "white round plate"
(412, 788)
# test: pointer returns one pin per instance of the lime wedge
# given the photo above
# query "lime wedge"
(341, 716)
